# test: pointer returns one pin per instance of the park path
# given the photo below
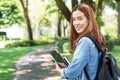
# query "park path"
(36, 65)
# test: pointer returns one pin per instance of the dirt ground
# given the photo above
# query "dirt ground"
(36, 65)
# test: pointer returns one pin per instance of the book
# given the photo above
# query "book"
(59, 59)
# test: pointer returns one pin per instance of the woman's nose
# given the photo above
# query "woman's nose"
(77, 22)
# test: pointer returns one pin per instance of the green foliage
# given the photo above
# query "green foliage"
(45, 40)
(21, 43)
(117, 41)
(49, 8)
(8, 56)
(9, 12)
(109, 43)
(63, 45)
(66, 47)
(112, 3)
(100, 21)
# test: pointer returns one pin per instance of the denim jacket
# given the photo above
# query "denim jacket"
(85, 54)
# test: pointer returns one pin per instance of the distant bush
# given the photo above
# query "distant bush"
(66, 47)
(117, 41)
(20, 43)
(63, 45)
(109, 43)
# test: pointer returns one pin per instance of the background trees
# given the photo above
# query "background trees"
(55, 13)
(9, 13)
(97, 5)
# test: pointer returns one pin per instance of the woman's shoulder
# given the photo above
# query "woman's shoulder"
(86, 40)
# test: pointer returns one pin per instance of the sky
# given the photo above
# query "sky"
(109, 10)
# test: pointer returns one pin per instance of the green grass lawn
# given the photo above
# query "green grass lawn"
(116, 54)
(8, 56)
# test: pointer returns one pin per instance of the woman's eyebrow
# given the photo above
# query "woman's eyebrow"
(77, 17)
(80, 16)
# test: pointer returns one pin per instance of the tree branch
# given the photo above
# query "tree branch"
(65, 11)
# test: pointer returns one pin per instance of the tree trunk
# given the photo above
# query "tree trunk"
(99, 8)
(119, 23)
(28, 25)
(25, 10)
(65, 11)
(74, 2)
(59, 24)
(90, 3)
(99, 11)
(118, 18)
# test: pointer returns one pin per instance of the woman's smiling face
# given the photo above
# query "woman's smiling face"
(80, 21)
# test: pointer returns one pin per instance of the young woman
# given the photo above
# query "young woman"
(85, 52)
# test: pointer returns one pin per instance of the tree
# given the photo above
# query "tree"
(90, 3)
(118, 18)
(9, 13)
(24, 4)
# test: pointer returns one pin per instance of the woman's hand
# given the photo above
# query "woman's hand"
(59, 66)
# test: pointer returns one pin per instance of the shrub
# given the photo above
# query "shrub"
(20, 43)
(109, 43)
(62, 45)
(66, 47)
(117, 41)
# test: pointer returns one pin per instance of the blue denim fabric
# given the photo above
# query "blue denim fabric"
(85, 54)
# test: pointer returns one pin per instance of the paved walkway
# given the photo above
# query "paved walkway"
(36, 65)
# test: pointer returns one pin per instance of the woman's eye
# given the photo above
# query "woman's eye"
(79, 18)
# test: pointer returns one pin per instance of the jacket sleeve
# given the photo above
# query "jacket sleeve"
(79, 61)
